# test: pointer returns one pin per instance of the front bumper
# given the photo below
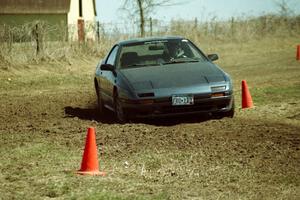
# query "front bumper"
(163, 107)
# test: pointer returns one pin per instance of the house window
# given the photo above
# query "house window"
(80, 8)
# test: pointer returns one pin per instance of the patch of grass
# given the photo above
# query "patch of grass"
(241, 158)
(180, 166)
(44, 82)
(271, 95)
(49, 77)
(112, 196)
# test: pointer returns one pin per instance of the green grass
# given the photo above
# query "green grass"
(271, 95)
(52, 77)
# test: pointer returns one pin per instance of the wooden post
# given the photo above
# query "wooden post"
(264, 22)
(37, 34)
(215, 29)
(98, 31)
(232, 27)
(151, 27)
(37, 39)
(81, 34)
(206, 26)
(196, 23)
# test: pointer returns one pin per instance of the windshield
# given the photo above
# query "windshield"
(160, 52)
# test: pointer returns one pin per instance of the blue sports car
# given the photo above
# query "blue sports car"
(165, 76)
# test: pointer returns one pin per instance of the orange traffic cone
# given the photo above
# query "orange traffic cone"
(298, 53)
(89, 164)
(246, 96)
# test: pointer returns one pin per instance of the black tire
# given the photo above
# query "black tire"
(100, 107)
(230, 113)
(119, 111)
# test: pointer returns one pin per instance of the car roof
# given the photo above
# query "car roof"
(147, 39)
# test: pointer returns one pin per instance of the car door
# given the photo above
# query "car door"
(108, 78)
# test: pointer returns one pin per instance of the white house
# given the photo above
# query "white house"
(82, 13)
(77, 17)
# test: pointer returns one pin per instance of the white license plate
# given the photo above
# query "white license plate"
(180, 100)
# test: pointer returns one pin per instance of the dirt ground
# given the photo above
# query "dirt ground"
(46, 109)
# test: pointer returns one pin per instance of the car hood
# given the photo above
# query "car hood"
(177, 75)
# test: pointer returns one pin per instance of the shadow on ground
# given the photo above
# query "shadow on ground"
(175, 120)
(109, 117)
(89, 114)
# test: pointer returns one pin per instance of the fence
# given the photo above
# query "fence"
(235, 28)
(37, 41)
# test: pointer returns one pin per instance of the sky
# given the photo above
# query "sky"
(108, 10)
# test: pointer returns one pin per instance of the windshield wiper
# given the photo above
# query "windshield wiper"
(141, 65)
(180, 61)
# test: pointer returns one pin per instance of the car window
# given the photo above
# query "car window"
(159, 52)
(112, 56)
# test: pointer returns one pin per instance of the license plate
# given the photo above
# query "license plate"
(180, 100)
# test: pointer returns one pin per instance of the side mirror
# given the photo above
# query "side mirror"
(213, 57)
(107, 67)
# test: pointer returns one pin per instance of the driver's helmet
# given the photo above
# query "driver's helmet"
(175, 49)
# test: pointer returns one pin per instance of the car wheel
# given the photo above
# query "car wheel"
(229, 113)
(99, 101)
(120, 114)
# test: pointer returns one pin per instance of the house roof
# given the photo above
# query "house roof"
(34, 6)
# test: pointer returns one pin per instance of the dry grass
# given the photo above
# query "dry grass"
(253, 156)
(18, 45)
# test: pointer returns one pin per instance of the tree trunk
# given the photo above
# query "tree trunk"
(142, 20)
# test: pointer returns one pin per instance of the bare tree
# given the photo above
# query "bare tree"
(144, 8)
(284, 7)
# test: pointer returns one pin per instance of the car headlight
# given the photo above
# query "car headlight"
(218, 88)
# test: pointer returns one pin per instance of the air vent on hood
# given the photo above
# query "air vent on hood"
(150, 94)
